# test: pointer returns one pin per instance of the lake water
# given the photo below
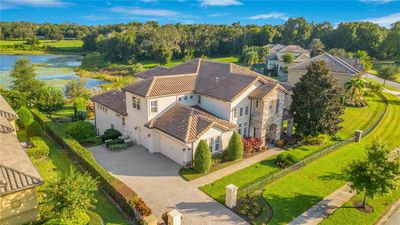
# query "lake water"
(54, 70)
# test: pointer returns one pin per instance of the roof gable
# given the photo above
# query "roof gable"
(334, 64)
(113, 99)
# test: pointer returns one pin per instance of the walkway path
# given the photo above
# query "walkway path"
(324, 208)
(392, 217)
(235, 167)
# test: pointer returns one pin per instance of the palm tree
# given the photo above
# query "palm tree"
(365, 59)
(354, 89)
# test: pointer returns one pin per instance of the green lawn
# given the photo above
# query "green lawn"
(58, 163)
(385, 86)
(300, 190)
(354, 119)
(59, 46)
(377, 65)
(150, 63)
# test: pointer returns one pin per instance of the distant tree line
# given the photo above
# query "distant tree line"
(123, 42)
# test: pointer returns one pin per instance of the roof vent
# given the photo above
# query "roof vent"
(217, 79)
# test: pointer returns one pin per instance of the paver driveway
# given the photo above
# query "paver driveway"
(155, 178)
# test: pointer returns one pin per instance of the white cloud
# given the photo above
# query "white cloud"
(144, 12)
(205, 3)
(219, 14)
(385, 21)
(376, 1)
(273, 15)
(10, 4)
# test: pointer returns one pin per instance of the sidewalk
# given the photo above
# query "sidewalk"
(324, 208)
(235, 167)
(392, 216)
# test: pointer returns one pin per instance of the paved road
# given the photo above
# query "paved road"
(390, 83)
(155, 178)
(394, 219)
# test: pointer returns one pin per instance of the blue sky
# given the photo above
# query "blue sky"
(383, 12)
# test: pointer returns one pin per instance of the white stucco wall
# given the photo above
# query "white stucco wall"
(166, 101)
(218, 107)
(215, 132)
(105, 120)
(170, 147)
(136, 118)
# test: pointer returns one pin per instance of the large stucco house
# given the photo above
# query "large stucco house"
(18, 176)
(342, 70)
(171, 109)
(275, 62)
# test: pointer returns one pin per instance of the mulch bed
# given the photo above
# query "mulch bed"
(367, 209)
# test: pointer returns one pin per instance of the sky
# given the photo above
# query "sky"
(93, 12)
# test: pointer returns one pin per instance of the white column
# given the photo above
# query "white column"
(358, 135)
(231, 195)
(174, 217)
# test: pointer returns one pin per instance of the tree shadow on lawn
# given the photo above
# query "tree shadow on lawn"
(333, 176)
(286, 209)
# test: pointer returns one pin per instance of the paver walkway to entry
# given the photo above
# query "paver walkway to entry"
(324, 208)
(235, 167)
(156, 179)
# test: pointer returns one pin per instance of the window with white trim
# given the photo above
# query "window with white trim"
(241, 112)
(185, 98)
(246, 111)
(191, 97)
(277, 106)
(234, 111)
(240, 128)
(214, 144)
(154, 106)
(136, 103)
(245, 129)
(217, 144)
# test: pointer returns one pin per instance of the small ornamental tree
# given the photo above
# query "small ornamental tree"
(235, 147)
(25, 117)
(378, 174)
(202, 157)
(71, 193)
(387, 73)
(316, 105)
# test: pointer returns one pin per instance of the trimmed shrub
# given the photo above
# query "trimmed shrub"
(286, 159)
(33, 129)
(39, 149)
(116, 147)
(110, 134)
(202, 157)
(140, 206)
(81, 130)
(120, 192)
(80, 116)
(114, 142)
(25, 117)
(235, 147)
(95, 219)
(79, 218)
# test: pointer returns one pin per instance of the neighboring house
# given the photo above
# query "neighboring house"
(171, 109)
(275, 62)
(18, 176)
(340, 69)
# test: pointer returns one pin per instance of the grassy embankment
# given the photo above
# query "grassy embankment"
(300, 190)
(354, 119)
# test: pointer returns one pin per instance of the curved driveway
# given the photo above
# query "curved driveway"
(155, 178)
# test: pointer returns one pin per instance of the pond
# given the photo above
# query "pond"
(54, 70)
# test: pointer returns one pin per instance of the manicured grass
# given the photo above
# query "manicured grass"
(377, 65)
(58, 46)
(59, 163)
(150, 63)
(347, 214)
(385, 86)
(300, 190)
(354, 119)
(66, 112)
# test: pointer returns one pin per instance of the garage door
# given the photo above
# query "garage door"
(171, 149)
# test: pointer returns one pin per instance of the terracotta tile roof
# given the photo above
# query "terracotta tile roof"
(186, 123)
(220, 80)
(113, 99)
(334, 64)
(189, 67)
(12, 180)
(293, 49)
(263, 90)
(6, 111)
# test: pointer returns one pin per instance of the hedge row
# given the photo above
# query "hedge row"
(39, 149)
(120, 192)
